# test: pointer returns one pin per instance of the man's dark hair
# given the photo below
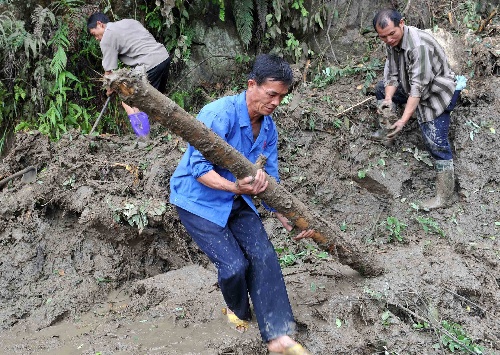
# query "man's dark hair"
(271, 67)
(383, 17)
(97, 16)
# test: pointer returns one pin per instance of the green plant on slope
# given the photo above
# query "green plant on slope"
(12, 42)
(386, 318)
(288, 259)
(430, 226)
(471, 17)
(43, 90)
(153, 20)
(331, 74)
(293, 46)
(138, 215)
(61, 114)
(264, 23)
(395, 229)
(457, 339)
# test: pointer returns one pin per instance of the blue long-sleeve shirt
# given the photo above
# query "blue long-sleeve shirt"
(228, 117)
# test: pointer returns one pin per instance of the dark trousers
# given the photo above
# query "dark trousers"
(158, 76)
(247, 265)
(435, 132)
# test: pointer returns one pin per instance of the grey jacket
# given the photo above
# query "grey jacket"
(128, 41)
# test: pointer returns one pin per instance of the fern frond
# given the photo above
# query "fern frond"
(261, 6)
(59, 62)
(278, 6)
(34, 44)
(67, 5)
(243, 14)
(6, 24)
(60, 38)
(12, 32)
(40, 14)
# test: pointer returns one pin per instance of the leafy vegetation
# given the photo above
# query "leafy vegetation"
(368, 69)
(45, 88)
(138, 215)
(287, 257)
(386, 318)
(471, 18)
(41, 87)
(456, 339)
(395, 229)
(430, 226)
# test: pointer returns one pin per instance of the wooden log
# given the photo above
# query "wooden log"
(134, 89)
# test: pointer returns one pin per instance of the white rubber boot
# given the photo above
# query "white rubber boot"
(445, 186)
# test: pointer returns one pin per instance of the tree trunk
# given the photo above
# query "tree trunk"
(135, 90)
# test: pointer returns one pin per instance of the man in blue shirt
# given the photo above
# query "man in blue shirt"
(218, 212)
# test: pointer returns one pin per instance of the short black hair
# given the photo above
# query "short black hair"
(383, 17)
(96, 16)
(271, 67)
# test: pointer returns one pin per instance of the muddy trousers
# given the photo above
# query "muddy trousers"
(247, 265)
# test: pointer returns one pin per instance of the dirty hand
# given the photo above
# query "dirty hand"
(252, 185)
(383, 105)
(396, 127)
(304, 234)
(284, 221)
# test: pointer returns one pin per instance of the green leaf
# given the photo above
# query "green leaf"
(243, 14)
(386, 315)
(322, 255)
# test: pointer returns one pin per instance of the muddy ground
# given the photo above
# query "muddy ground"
(94, 260)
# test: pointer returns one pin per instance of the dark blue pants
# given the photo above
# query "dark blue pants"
(434, 133)
(158, 76)
(246, 264)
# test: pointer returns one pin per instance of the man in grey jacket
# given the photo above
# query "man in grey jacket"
(128, 41)
(417, 74)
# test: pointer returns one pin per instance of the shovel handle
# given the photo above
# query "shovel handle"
(100, 115)
(19, 173)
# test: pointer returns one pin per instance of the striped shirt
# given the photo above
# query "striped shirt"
(420, 66)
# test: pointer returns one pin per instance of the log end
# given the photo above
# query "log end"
(363, 263)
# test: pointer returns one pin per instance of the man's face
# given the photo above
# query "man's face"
(98, 31)
(391, 34)
(263, 99)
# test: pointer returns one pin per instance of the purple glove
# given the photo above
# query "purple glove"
(140, 123)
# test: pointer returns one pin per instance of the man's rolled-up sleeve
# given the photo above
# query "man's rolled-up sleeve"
(199, 165)
(419, 71)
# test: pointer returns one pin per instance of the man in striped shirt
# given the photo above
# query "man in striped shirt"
(417, 74)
